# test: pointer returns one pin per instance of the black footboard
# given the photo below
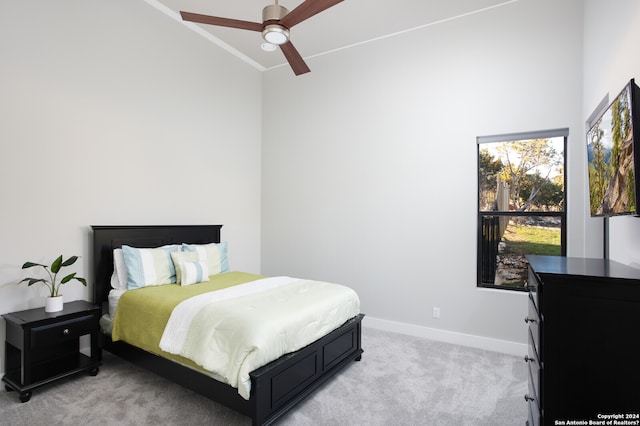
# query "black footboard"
(276, 387)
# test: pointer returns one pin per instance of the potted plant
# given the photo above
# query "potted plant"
(54, 301)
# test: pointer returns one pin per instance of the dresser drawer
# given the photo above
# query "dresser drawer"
(61, 331)
(534, 414)
(535, 372)
(533, 399)
(535, 289)
(535, 327)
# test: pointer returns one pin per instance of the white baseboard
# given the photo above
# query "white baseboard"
(487, 343)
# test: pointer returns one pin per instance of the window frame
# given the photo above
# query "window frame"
(562, 215)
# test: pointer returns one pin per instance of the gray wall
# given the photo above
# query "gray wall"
(369, 163)
(611, 59)
(113, 113)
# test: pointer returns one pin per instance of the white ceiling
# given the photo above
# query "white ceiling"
(345, 24)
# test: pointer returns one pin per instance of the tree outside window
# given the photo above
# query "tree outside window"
(521, 204)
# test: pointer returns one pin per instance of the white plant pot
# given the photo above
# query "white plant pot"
(53, 304)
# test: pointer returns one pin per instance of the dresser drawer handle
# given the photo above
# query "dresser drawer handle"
(529, 398)
(527, 358)
(65, 331)
(528, 320)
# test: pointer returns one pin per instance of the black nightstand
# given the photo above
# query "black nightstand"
(42, 347)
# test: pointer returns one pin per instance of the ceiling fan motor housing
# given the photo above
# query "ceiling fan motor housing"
(273, 32)
(273, 12)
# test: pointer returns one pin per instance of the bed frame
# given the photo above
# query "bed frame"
(276, 387)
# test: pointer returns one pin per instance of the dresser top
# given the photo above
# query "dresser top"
(578, 266)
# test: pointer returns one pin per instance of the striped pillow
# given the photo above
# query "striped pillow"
(179, 257)
(149, 266)
(193, 272)
(216, 255)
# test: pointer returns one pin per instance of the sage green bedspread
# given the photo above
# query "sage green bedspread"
(142, 314)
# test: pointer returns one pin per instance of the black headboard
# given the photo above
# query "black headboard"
(107, 238)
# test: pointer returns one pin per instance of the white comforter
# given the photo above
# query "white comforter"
(232, 332)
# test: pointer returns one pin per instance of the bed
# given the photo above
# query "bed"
(275, 387)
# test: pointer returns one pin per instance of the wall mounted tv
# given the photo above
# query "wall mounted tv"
(613, 152)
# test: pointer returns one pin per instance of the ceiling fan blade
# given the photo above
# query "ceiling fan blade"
(293, 57)
(306, 10)
(221, 22)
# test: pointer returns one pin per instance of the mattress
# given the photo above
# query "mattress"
(142, 315)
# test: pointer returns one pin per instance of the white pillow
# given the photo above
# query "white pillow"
(216, 255)
(114, 298)
(193, 272)
(119, 278)
(149, 266)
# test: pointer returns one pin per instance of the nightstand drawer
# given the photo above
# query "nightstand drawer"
(61, 331)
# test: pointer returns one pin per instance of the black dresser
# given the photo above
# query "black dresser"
(584, 341)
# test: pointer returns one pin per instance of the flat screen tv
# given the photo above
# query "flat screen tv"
(613, 152)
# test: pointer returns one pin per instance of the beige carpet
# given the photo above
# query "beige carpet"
(401, 380)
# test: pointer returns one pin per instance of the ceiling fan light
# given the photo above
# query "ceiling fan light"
(275, 34)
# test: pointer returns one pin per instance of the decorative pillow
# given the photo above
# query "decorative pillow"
(193, 272)
(180, 257)
(149, 266)
(119, 277)
(216, 255)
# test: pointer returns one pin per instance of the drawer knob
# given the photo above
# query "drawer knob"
(528, 320)
(65, 331)
(527, 358)
(528, 398)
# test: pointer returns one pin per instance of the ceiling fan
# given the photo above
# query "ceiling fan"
(275, 26)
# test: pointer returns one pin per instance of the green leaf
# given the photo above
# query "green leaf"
(52, 281)
(67, 278)
(55, 266)
(30, 264)
(33, 281)
(70, 261)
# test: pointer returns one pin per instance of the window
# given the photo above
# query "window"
(521, 204)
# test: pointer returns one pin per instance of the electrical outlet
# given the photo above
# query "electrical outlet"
(436, 312)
